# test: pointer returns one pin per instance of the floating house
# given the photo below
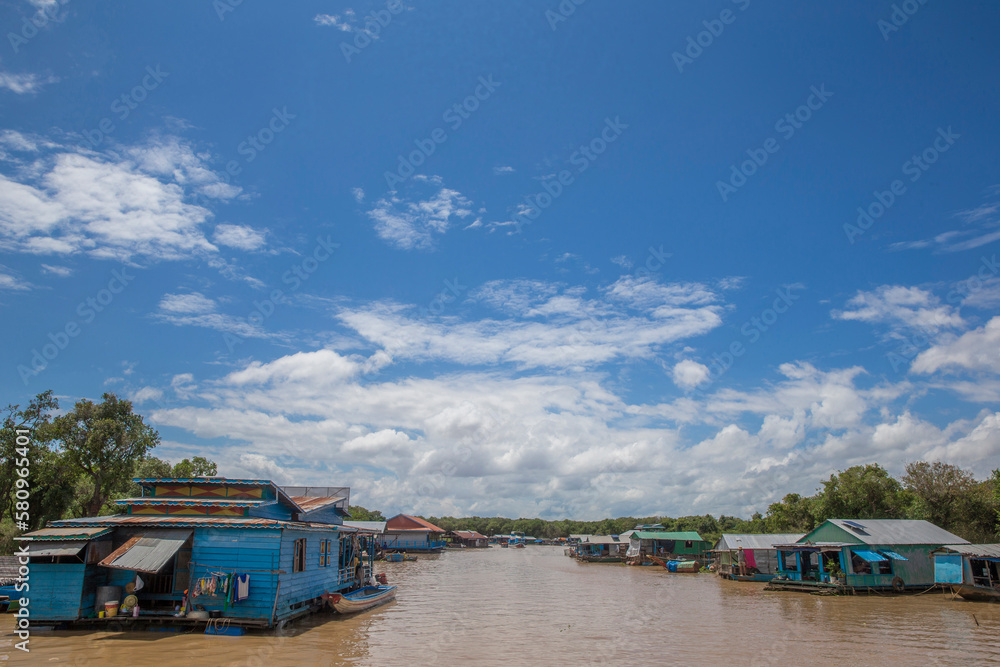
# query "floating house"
(867, 554)
(602, 549)
(750, 557)
(970, 570)
(469, 539)
(411, 533)
(248, 550)
(665, 545)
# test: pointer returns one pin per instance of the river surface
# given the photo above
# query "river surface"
(536, 606)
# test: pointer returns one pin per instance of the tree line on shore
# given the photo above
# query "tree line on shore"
(77, 464)
(944, 494)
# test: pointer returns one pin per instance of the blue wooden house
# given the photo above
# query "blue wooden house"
(253, 552)
(969, 570)
(861, 555)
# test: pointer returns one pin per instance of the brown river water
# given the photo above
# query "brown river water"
(536, 606)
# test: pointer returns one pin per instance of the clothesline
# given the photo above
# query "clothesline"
(237, 569)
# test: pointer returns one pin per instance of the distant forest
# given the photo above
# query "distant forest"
(943, 494)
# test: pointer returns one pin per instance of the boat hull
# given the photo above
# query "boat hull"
(976, 593)
(361, 599)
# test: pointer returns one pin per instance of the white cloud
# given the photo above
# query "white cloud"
(192, 303)
(24, 84)
(111, 207)
(16, 141)
(238, 236)
(61, 271)
(413, 224)
(503, 169)
(689, 374)
(195, 309)
(977, 350)
(344, 23)
(13, 283)
(895, 305)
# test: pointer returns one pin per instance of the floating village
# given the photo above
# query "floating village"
(225, 556)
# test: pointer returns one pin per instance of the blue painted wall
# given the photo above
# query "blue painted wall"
(313, 581)
(251, 551)
(55, 591)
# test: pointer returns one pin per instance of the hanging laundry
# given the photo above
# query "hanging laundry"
(242, 587)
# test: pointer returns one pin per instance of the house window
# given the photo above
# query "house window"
(324, 553)
(689, 544)
(299, 558)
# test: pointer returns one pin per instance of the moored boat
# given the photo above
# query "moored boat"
(361, 599)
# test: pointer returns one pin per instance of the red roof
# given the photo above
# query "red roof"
(407, 522)
(469, 535)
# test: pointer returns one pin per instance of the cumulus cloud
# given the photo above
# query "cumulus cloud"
(977, 350)
(24, 84)
(689, 374)
(75, 201)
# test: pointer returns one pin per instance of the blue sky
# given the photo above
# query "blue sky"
(553, 259)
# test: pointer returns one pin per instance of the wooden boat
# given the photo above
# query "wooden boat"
(519, 545)
(399, 558)
(975, 593)
(683, 566)
(361, 599)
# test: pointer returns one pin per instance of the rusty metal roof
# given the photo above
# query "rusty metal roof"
(149, 552)
(469, 535)
(422, 525)
(313, 503)
(67, 533)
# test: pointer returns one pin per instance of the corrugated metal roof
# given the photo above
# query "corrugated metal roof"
(469, 535)
(313, 503)
(605, 539)
(368, 526)
(755, 541)
(684, 535)
(149, 552)
(198, 521)
(67, 533)
(55, 547)
(421, 524)
(897, 531)
(8, 570)
(975, 550)
(579, 536)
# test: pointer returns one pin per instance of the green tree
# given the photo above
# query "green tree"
(104, 442)
(794, 514)
(862, 492)
(942, 493)
(359, 513)
(199, 466)
(49, 481)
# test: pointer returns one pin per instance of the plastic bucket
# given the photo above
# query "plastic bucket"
(106, 594)
(111, 608)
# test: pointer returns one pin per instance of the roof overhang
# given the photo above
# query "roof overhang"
(148, 552)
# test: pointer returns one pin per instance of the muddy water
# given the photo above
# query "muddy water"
(534, 605)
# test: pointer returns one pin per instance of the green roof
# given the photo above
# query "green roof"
(661, 535)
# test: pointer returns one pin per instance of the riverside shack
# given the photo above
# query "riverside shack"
(749, 557)
(252, 552)
(861, 555)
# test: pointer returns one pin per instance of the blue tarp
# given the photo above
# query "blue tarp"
(947, 568)
(870, 556)
(893, 555)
